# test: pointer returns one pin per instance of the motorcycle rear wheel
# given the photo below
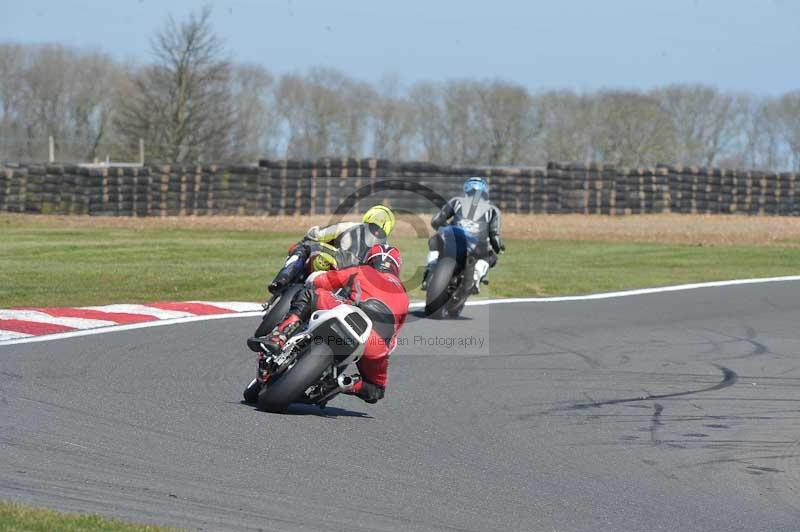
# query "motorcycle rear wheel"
(250, 393)
(290, 386)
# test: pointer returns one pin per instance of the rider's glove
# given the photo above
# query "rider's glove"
(497, 244)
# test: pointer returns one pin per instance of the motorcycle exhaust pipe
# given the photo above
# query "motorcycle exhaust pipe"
(344, 384)
(347, 383)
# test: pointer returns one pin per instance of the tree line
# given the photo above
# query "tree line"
(191, 102)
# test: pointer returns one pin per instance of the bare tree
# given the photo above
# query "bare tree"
(12, 63)
(785, 112)
(465, 121)
(50, 90)
(392, 123)
(191, 103)
(48, 83)
(181, 105)
(308, 112)
(290, 97)
(427, 103)
(706, 122)
(255, 129)
(324, 113)
(760, 138)
(465, 140)
(91, 105)
(507, 120)
(12, 67)
(357, 99)
(567, 122)
(631, 129)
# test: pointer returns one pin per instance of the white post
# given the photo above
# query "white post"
(141, 152)
(52, 147)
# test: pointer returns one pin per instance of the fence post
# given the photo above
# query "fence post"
(141, 152)
(52, 150)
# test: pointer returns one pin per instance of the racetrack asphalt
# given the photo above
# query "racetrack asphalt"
(672, 411)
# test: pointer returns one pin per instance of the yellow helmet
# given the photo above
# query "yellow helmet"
(381, 216)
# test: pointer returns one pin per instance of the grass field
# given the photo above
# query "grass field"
(51, 261)
(19, 518)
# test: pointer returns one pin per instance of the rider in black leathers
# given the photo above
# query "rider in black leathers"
(479, 217)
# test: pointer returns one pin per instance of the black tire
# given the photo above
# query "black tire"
(437, 295)
(278, 311)
(454, 309)
(455, 304)
(289, 387)
(250, 393)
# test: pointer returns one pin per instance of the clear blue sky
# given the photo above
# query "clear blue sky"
(581, 44)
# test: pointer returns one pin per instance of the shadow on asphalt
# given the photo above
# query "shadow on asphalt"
(421, 314)
(300, 409)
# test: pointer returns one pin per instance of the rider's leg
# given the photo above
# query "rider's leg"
(433, 256)
(303, 304)
(295, 262)
(373, 367)
(482, 266)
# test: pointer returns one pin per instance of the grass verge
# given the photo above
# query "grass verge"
(19, 518)
(49, 264)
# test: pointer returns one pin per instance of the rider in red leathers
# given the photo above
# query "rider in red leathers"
(377, 290)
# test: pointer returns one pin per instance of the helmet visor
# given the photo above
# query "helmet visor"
(475, 185)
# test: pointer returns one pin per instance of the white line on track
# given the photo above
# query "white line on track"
(637, 292)
(478, 303)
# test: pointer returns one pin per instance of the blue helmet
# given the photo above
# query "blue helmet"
(476, 184)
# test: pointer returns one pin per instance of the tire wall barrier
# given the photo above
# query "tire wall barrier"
(318, 187)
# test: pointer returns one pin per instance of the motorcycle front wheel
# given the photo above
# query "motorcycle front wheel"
(437, 294)
(278, 310)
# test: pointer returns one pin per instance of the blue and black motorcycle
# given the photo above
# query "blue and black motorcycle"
(451, 280)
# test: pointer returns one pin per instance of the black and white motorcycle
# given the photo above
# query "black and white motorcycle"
(310, 368)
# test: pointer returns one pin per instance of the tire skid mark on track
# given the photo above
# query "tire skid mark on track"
(758, 348)
(729, 378)
(655, 423)
(591, 362)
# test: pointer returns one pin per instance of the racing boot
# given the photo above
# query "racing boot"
(480, 271)
(292, 268)
(368, 392)
(282, 332)
(280, 282)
